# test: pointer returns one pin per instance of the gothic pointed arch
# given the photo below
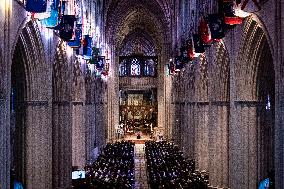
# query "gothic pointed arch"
(31, 150)
(255, 85)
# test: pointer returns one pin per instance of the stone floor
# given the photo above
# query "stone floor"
(141, 179)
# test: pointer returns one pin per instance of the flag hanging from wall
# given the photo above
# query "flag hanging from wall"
(190, 49)
(229, 11)
(216, 24)
(61, 10)
(43, 15)
(56, 3)
(76, 43)
(197, 44)
(96, 51)
(205, 32)
(87, 47)
(100, 62)
(36, 6)
(66, 32)
(53, 19)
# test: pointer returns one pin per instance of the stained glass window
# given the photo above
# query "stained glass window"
(135, 67)
(149, 69)
(123, 68)
(138, 66)
(268, 104)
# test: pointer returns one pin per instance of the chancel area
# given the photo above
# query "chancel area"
(141, 94)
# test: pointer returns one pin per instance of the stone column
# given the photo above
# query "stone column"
(279, 96)
(78, 135)
(184, 129)
(38, 157)
(91, 131)
(243, 145)
(5, 64)
(62, 145)
(4, 144)
(168, 105)
(190, 131)
(177, 125)
(100, 124)
(218, 144)
(201, 136)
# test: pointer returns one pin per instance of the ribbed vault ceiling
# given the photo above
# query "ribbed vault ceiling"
(133, 20)
(138, 41)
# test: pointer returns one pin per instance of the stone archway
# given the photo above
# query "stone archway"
(251, 136)
(123, 18)
(31, 128)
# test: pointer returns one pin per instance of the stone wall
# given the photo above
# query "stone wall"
(54, 102)
(224, 129)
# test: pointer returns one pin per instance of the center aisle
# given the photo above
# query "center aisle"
(141, 179)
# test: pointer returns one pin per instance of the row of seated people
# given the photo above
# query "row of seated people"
(167, 169)
(114, 168)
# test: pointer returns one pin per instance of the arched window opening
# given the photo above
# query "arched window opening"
(123, 68)
(149, 68)
(138, 66)
(135, 67)
(268, 103)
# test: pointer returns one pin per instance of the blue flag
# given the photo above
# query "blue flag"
(100, 62)
(51, 21)
(66, 32)
(76, 43)
(61, 11)
(56, 3)
(36, 6)
(87, 47)
(216, 24)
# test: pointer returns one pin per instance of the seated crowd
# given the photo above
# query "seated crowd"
(113, 169)
(168, 169)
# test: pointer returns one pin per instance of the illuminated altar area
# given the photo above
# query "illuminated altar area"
(138, 113)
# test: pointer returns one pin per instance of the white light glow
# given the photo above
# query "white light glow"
(42, 16)
(98, 31)
(104, 78)
(241, 13)
(91, 67)
(69, 51)
(196, 55)
(47, 33)
(5, 5)
(81, 61)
